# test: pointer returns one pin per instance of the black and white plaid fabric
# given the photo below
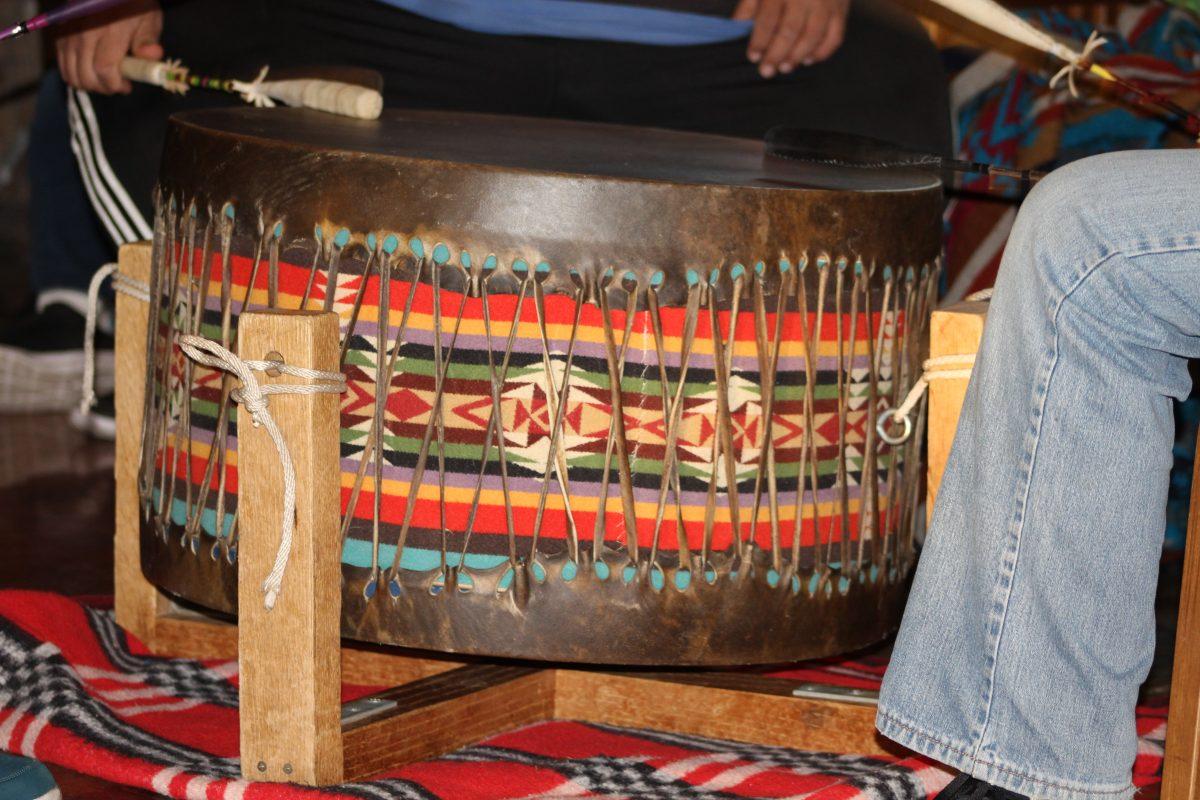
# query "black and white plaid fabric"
(36, 681)
(636, 777)
(185, 678)
(151, 716)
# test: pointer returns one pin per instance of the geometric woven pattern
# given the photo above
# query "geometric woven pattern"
(782, 407)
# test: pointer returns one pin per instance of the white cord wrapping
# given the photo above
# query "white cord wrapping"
(940, 368)
(934, 369)
(121, 283)
(253, 398)
(993, 16)
(1079, 62)
(170, 75)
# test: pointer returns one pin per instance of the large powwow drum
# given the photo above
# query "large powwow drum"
(612, 393)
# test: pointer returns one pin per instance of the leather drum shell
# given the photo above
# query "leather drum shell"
(827, 276)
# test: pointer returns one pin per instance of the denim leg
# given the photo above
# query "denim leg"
(1031, 621)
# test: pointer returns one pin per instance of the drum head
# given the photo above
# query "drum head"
(590, 150)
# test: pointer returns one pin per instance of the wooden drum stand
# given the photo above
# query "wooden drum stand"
(292, 662)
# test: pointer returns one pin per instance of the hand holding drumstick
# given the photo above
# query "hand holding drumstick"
(89, 58)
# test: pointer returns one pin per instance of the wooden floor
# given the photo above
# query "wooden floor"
(56, 527)
(56, 507)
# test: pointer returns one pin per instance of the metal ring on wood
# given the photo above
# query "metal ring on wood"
(881, 429)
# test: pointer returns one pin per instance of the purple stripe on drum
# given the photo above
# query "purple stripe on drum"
(647, 356)
(533, 485)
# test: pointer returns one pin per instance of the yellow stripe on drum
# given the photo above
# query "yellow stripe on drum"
(558, 332)
(586, 504)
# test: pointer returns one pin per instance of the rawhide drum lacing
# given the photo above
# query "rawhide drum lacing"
(607, 460)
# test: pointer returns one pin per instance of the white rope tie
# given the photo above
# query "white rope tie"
(942, 368)
(1081, 62)
(121, 283)
(253, 397)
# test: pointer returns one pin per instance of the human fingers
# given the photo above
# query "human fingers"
(806, 43)
(146, 34)
(110, 49)
(834, 36)
(766, 19)
(66, 61)
(745, 9)
(85, 63)
(150, 52)
(793, 23)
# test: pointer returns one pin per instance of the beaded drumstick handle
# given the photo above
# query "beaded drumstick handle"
(334, 97)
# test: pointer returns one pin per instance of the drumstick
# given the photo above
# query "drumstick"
(993, 16)
(334, 97)
(57, 16)
(864, 152)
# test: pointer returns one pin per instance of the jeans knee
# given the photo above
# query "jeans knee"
(1074, 190)
(1059, 226)
(1096, 199)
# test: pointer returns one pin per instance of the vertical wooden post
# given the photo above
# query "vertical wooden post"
(953, 331)
(137, 600)
(1181, 765)
(290, 672)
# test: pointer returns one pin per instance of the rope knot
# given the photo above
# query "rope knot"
(252, 396)
(254, 402)
(1081, 62)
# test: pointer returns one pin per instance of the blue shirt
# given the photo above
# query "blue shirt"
(580, 19)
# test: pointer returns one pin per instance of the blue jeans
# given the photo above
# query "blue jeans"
(1031, 621)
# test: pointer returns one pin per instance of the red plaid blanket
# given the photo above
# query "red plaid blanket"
(76, 690)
